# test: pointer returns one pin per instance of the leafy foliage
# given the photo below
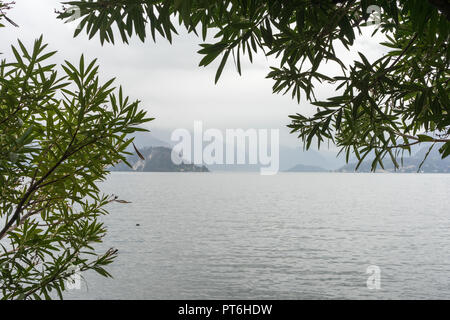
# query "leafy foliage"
(381, 108)
(58, 135)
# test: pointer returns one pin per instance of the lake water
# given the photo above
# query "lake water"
(287, 236)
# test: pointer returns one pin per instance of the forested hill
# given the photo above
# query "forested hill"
(157, 159)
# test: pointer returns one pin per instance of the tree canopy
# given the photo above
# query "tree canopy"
(381, 107)
(60, 130)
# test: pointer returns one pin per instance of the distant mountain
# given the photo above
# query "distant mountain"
(157, 159)
(303, 168)
(433, 163)
(289, 157)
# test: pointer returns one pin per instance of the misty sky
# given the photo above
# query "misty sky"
(167, 79)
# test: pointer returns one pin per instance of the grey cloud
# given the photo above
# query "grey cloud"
(167, 79)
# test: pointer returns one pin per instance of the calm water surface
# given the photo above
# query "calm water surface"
(288, 236)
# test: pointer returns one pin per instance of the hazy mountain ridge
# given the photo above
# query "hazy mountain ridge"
(291, 160)
(433, 163)
(289, 157)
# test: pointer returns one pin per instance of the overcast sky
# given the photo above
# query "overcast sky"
(167, 79)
